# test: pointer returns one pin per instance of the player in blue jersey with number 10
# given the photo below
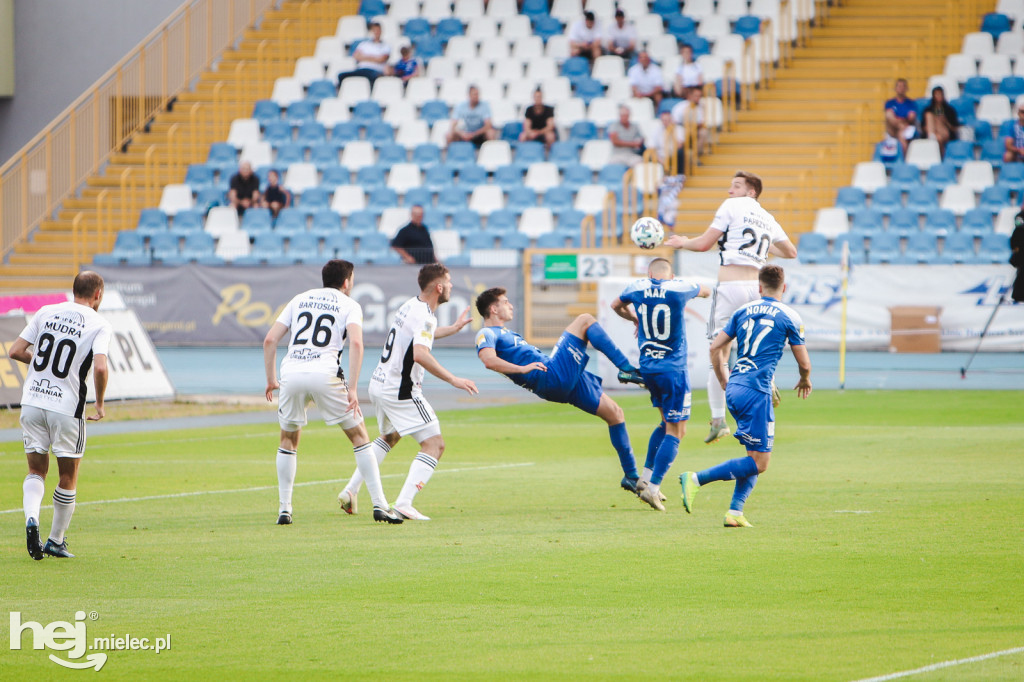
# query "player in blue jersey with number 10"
(659, 302)
(761, 329)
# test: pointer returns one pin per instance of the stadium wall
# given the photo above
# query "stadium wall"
(60, 48)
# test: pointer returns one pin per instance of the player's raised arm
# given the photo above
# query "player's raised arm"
(701, 243)
(803, 361)
(719, 357)
(454, 328)
(270, 341)
(425, 359)
(784, 249)
(492, 362)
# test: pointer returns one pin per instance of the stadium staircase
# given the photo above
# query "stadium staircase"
(134, 178)
(834, 85)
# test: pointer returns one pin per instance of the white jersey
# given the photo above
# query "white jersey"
(397, 374)
(747, 232)
(318, 320)
(66, 337)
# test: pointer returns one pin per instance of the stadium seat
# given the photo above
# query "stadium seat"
(151, 221)
(904, 177)
(451, 199)
(288, 153)
(611, 175)
(923, 153)
(992, 151)
(977, 87)
(449, 27)
(266, 111)
(461, 154)
(527, 153)
(922, 199)
(472, 175)
(575, 176)
(535, 221)
(958, 247)
(994, 198)
(867, 221)
(221, 220)
(977, 175)
(958, 152)
(993, 108)
(889, 151)
(466, 221)
(199, 246)
(287, 91)
(546, 27)
(175, 198)
(521, 198)
(852, 199)
(129, 249)
(747, 26)
(501, 221)
(438, 176)
(813, 248)
(1011, 176)
(334, 176)
(590, 199)
(378, 132)
(940, 221)
(325, 222)
(267, 247)
(1012, 87)
(485, 199)
(360, 223)
(480, 240)
(995, 24)
(976, 222)
(375, 247)
(558, 199)
(869, 176)
(320, 90)
(904, 221)
(494, 153)
(994, 248)
(831, 222)
(957, 198)
(922, 248)
(300, 177)
(290, 221)
(339, 245)
(348, 199)
(940, 176)
(164, 247)
(885, 248)
(542, 176)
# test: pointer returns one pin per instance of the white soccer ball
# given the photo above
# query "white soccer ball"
(647, 233)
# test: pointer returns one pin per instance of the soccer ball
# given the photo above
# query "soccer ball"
(647, 233)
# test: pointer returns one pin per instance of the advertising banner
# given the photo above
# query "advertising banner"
(12, 372)
(209, 306)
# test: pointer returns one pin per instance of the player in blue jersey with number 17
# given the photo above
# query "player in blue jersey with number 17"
(659, 302)
(761, 329)
(561, 377)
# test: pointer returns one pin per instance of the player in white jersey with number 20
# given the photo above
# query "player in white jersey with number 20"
(745, 234)
(319, 321)
(67, 339)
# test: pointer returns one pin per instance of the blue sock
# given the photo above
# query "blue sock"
(653, 444)
(741, 467)
(666, 455)
(742, 492)
(620, 441)
(600, 340)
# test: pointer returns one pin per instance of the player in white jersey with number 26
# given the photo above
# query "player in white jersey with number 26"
(396, 385)
(745, 234)
(67, 339)
(319, 321)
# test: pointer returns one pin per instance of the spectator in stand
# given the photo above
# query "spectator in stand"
(645, 78)
(275, 197)
(667, 138)
(621, 37)
(539, 123)
(413, 241)
(1015, 142)
(244, 190)
(691, 110)
(408, 66)
(371, 57)
(472, 121)
(940, 120)
(688, 73)
(901, 115)
(585, 37)
(627, 140)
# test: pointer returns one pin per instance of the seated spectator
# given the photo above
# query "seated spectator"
(585, 37)
(691, 111)
(627, 140)
(275, 197)
(667, 138)
(1015, 142)
(645, 78)
(413, 241)
(408, 66)
(621, 37)
(471, 121)
(940, 120)
(244, 191)
(540, 122)
(688, 73)
(371, 57)
(901, 115)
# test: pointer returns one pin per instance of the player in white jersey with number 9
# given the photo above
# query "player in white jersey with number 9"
(67, 339)
(319, 321)
(745, 234)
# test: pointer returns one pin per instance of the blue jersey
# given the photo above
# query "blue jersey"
(761, 329)
(659, 306)
(512, 347)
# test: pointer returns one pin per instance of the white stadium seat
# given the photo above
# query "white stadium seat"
(977, 175)
(357, 155)
(348, 199)
(596, 154)
(536, 221)
(287, 91)
(308, 69)
(994, 108)
(494, 153)
(869, 176)
(301, 176)
(977, 44)
(392, 220)
(232, 245)
(175, 198)
(486, 199)
(221, 220)
(332, 111)
(590, 199)
(243, 131)
(923, 153)
(404, 176)
(958, 199)
(257, 153)
(832, 222)
(541, 177)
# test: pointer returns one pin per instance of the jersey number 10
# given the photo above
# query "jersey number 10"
(659, 324)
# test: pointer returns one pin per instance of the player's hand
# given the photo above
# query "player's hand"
(100, 414)
(353, 404)
(723, 383)
(534, 365)
(271, 387)
(803, 388)
(466, 385)
(676, 241)
(464, 319)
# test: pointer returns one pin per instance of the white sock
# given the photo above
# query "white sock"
(694, 477)
(33, 490)
(733, 512)
(646, 475)
(716, 396)
(419, 473)
(287, 463)
(655, 488)
(380, 451)
(63, 508)
(369, 469)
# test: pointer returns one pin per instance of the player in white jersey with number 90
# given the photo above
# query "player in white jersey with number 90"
(745, 234)
(319, 321)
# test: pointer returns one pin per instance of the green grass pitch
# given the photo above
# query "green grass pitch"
(888, 536)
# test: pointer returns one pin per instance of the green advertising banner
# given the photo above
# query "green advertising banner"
(560, 266)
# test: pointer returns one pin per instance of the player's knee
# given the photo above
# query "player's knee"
(585, 320)
(761, 459)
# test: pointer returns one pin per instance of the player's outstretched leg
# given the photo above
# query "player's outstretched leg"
(611, 413)
(287, 463)
(734, 517)
(586, 327)
(716, 401)
(348, 498)
(667, 451)
(420, 471)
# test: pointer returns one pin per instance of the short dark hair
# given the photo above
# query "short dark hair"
(86, 284)
(430, 274)
(620, 13)
(488, 298)
(752, 181)
(588, 16)
(772, 277)
(336, 272)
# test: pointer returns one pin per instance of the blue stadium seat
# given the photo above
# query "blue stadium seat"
(433, 218)
(389, 153)
(380, 133)
(588, 89)
(564, 154)
(416, 28)
(376, 248)
(345, 131)
(666, 8)
(904, 221)
(994, 198)
(611, 175)
(371, 177)
(266, 111)
(958, 247)
(939, 221)
(982, 131)
(575, 68)
(461, 154)
(583, 131)
(301, 112)
(922, 247)
(465, 221)
(977, 87)
(992, 151)
(311, 133)
(813, 248)
(324, 156)
(199, 176)
(747, 26)
(856, 245)
(429, 47)
(433, 111)
(1006, 129)
(151, 221)
(575, 176)
(320, 90)
(372, 8)
(534, 8)
(558, 199)
(940, 176)
(701, 46)
(208, 197)
(996, 24)
(257, 220)
(187, 222)
(515, 240)
(451, 199)
(458, 260)
(994, 248)
(426, 155)
(527, 153)
(889, 152)
(198, 246)
(333, 176)
(1011, 176)
(1012, 87)
(420, 196)
(223, 158)
(569, 221)
(339, 245)
(959, 152)
(164, 246)
(438, 177)
(366, 112)
(382, 198)
(904, 177)
(976, 222)
(546, 27)
(885, 248)
(278, 133)
(511, 131)
(472, 175)
(553, 240)
(289, 153)
(964, 107)
(267, 247)
(361, 222)
(508, 177)
(853, 199)
(290, 221)
(479, 240)
(303, 247)
(521, 198)
(129, 248)
(501, 221)
(867, 221)
(679, 25)
(922, 199)
(448, 28)
(314, 199)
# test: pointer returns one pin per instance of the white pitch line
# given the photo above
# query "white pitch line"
(195, 493)
(944, 664)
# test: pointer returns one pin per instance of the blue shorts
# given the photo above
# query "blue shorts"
(670, 391)
(754, 415)
(567, 380)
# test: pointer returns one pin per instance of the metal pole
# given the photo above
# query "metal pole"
(963, 370)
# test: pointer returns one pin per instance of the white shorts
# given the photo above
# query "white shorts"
(329, 393)
(45, 430)
(727, 298)
(413, 417)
